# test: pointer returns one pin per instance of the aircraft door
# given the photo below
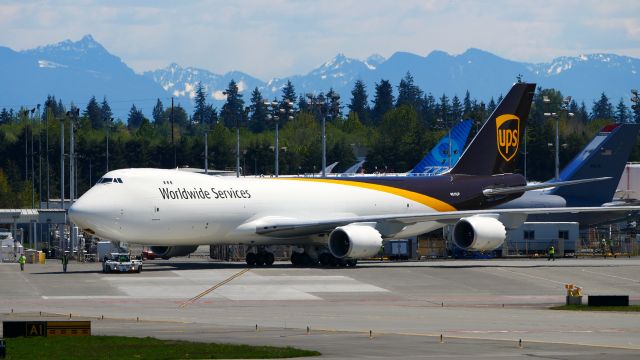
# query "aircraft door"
(155, 215)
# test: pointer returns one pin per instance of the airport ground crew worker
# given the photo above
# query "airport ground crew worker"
(551, 253)
(22, 260)
(65, 261)
(603, 246)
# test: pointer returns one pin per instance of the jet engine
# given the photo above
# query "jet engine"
(356, 241)
(479, 233)
(167, 252)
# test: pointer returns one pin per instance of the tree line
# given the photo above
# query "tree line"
(394, 132)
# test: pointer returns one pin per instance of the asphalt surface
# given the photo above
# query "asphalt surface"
(482, 308)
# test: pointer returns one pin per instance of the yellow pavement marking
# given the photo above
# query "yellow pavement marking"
(223, 282)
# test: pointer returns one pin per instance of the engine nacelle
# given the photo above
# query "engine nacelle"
(167, 252)
(356, 241)
(479, 233)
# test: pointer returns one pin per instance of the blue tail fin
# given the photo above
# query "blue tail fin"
(605, 155)
(437, 160)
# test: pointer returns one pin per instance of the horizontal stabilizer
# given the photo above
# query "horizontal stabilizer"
(547, 185)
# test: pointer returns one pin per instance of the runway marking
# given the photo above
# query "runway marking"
(613, 276)
(225, 281)
(532, 276)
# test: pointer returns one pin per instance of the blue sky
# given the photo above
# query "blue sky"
(276, 38)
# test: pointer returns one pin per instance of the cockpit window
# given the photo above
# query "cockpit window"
(110, 180)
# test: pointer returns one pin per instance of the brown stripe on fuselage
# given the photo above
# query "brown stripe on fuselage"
(442, 193)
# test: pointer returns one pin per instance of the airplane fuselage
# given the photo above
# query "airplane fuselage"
(170, 207)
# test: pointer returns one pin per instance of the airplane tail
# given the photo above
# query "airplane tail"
(605, 155)
(438, 160)
(495, 147)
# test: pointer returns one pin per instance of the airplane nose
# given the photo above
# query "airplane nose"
(84, 213)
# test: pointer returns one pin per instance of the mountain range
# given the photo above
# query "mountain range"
(75, 70)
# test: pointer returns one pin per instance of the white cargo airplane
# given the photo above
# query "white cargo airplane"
(335, 220)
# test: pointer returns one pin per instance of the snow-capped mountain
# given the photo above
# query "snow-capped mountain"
(75, 70)
(182, 82)
(72, 71)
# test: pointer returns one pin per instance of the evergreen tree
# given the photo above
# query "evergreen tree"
(135, 119)
(409, 93)
(303, 105)
(429, 111)
(4, 116)
(258, 121)
(582, 113)
(444, 112)
(94, 113)
(289, 93)
(468, 107)
(382, 102)
(456, 109)
(201, 112)
(334, 109)
(180, 116)
(105, 111)
(602, 109)
(359, 102)
(158, 113)
(635, 112)
(52, 105)
(622, 112)
(60, 109)
(491, 106)
(232, 113)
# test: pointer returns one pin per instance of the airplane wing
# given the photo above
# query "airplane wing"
(545, 185)
(289, 227)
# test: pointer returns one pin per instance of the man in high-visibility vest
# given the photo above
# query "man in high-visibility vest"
(22, 260)
(65, 261)
(552, 253)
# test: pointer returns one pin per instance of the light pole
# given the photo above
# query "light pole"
(73, 117)
(324, 106)
(62, 164)
(284, 111)
(46, 122)
(564, 107)
(206, 152)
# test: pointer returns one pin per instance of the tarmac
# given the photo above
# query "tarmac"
(482, 308)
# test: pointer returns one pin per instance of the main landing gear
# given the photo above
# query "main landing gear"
(260, 258)
(311, 257)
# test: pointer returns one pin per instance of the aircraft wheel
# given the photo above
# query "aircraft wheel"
(296, 258)
(308, 260)
(326, 259)
(260, 259)
(251, 259)
(352, 262)
(269, 259)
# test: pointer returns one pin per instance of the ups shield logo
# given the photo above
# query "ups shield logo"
(508, 136)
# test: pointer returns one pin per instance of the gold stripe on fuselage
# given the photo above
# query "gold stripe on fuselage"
(429, 201)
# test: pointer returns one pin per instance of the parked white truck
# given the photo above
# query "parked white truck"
(121, 262)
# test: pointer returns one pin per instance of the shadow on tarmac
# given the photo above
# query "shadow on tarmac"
(164, 265)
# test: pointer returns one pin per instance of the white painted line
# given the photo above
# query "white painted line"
(613, 276)
(532, 276)
(83, 297)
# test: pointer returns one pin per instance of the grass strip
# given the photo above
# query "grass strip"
(120, 347)
(630, 308)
